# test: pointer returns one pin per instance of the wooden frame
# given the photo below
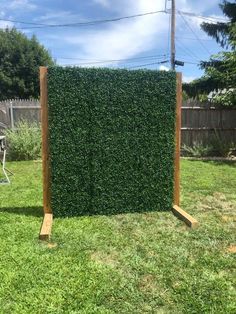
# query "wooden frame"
(180, 213)
(46, 227)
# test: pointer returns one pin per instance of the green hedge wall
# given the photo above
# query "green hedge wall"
(111, 140)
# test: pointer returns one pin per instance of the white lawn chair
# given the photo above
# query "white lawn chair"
(5, 180)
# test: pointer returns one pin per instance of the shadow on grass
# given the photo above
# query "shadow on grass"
(35, 211)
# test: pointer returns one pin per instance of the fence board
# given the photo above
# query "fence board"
(201, 122)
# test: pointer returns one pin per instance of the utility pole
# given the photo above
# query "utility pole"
(172, 52)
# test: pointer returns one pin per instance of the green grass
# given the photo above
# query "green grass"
(126, 263)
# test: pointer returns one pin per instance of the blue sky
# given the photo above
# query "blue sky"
(139, 37)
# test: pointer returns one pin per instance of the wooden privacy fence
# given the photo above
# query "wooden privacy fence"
(14, 110)
(200, 121)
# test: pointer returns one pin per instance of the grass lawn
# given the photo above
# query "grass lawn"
(128, 263)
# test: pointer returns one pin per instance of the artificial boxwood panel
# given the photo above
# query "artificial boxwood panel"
(111, 140)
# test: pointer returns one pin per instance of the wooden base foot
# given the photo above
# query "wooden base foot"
(188, 219)
(46, 228)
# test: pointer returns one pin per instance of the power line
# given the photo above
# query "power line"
(203, 17)
(112, 60)
(95, 22)
(208, 18)
(147, 64)
(103, 63)
(131, 67)
(21, 22)
(188, 52)
(199, 40)
(191, 38)
(190, 62)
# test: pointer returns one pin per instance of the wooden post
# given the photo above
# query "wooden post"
(180, 213)
(46, 228)
(12, 116)
(177, 139)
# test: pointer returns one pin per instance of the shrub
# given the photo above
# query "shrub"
(197, 150)
(218, 147)
(221, 147)
(24, 142)
(111, 140)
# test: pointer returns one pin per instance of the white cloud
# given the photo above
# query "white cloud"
(59, 16)
(163, 68)
(104, 3)
(196, 6)
(188, 79)
(197, 21)
(21, 4)
(120, 40)
(5, 24)
(199, 8)
(126, 39)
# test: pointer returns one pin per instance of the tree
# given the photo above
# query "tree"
(220, 70)
(200, 88)
(20, 58)
(222, 31)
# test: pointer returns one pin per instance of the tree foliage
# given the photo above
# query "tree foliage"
(20, 58)
(220, 69)
(199, 87)
(220, 31)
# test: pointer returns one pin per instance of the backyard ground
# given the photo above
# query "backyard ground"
(129, 263)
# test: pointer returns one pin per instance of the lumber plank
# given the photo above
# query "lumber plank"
(45, 146)
(177, 139)
(46, 228)
(188, 219)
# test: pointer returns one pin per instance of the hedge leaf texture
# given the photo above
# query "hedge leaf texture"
(111, 140)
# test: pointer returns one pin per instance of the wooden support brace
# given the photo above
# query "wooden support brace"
(188, 219)
(46, 228)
